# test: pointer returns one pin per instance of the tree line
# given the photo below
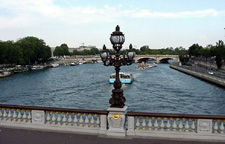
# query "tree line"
(28, 50)
(63, 50)
(216, 51)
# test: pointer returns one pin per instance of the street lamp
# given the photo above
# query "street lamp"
(117, 39)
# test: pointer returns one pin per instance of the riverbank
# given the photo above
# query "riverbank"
(204, 75)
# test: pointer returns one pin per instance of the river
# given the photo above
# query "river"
(159, 89)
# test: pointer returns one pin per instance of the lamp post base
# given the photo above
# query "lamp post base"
(116, 121)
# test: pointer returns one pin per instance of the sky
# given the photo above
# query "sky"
(156, 23)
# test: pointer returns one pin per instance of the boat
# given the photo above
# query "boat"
(73, 64)
(37, 67)
(4, 73)
(55, 65)
(125, 78)
(146, 65)
(20, 69)
(211, 73)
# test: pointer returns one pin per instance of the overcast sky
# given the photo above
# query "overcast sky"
(157, 23)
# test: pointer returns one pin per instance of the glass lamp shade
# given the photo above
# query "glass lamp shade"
(104, 56)
(130, 55)
(117, 39)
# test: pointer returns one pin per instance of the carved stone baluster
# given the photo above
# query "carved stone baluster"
(0, 114)
(69, 119)
(216, 126)
(9, 115)
(187, 125)
(193, 125)
(19, 115)
(156, 124)
(98, 120)
(86, 120)
(4, 114)
(150, 123)
(181, 125)
(14, 115)
(64, 118)
(162, 125)
(81, 120)
(29, 116)
(92, 120)
(24, 115)
(221, 126)
(59, 118)
(168, 125)
(53, 118)
(137, 123)
(143, 123)
(174, 124)
(48, 117)
(75, 119)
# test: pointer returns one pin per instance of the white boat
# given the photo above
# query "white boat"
(73, 64)
(125, 78)
(55, 65)
(143, 66)
(4, 74)
(37, 67)
(211, 73)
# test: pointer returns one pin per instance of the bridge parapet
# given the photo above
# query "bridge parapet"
(157, 57)
(182, 126)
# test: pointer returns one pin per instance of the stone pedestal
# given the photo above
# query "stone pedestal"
(116, 121)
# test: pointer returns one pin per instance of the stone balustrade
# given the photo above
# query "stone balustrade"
(137, 124)
(93, 121)
(176, 125)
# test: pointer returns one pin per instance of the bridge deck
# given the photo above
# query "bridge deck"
(21, 136)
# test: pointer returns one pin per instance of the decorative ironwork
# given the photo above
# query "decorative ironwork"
(117, 39)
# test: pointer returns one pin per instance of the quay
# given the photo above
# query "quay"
(217, 79)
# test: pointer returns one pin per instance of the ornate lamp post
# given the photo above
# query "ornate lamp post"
(117, 39)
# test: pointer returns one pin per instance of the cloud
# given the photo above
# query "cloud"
(185, 14)
(34, 12)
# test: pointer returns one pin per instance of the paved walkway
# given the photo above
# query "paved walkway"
(24, 136)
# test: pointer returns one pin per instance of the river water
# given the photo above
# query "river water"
(158, 89)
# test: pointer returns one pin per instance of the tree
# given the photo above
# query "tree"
(145, 50)
(65, 49)
(195, 50)
(58, 51)
(34, 50)
(219, 51)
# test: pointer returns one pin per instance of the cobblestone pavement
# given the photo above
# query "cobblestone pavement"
(25, 136)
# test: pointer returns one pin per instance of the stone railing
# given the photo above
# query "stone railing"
(176, 125)
(92, 121)
(114, 123)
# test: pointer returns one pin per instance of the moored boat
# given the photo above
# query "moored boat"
(4, 73)
(125, 78)
(55, 65)
(19, 69)
(37, 67)
(73, 64)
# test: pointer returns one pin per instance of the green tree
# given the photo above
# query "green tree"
(58, 51)
(3, 52)
(145, 50)
(219, 51)
(195, 50)
(65, 49)
(34, 50)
